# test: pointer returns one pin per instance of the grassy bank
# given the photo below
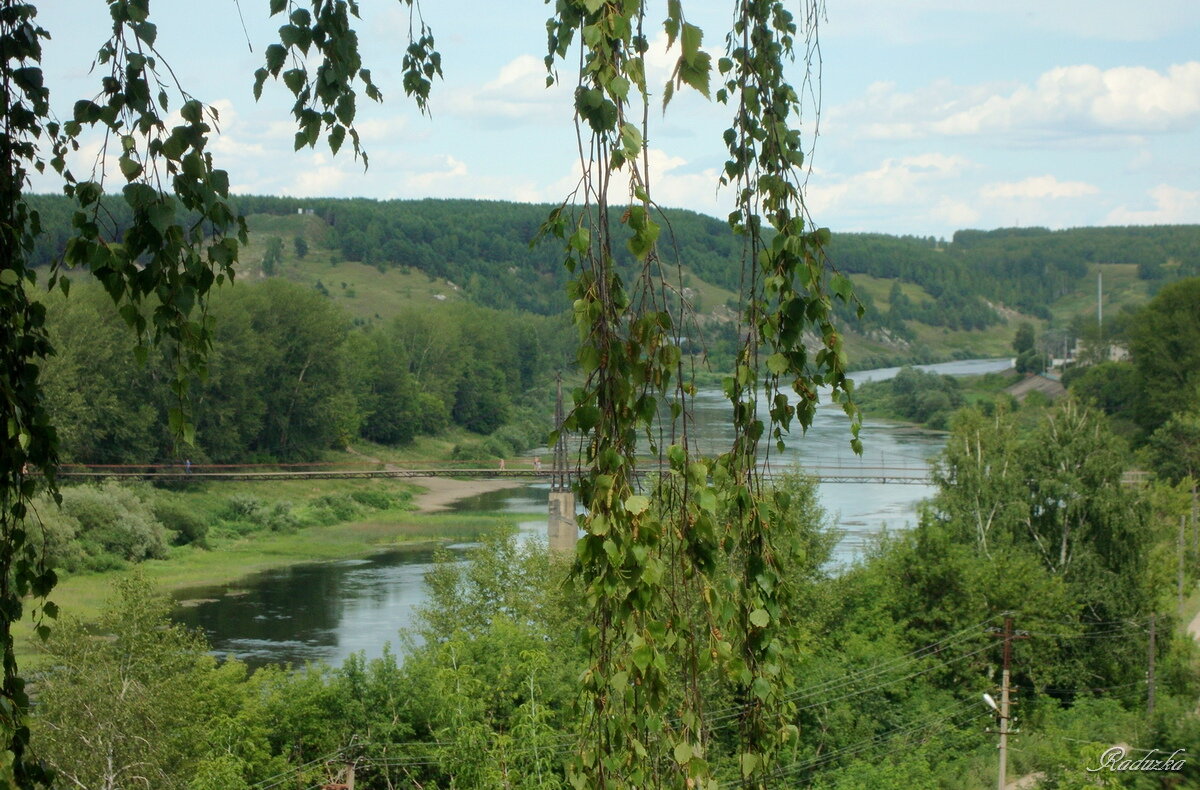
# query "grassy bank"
(231, 555)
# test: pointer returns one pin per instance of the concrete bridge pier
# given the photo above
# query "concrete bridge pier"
(562, 531)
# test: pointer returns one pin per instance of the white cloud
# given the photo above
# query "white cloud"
(1069, 101)
(674, 182)
(430, 180)
(904, 181)
(954, 213)
(518, 95)
(1171, 206)
(1036, 187)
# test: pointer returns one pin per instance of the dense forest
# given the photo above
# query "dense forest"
(488, 249)
(290, 377)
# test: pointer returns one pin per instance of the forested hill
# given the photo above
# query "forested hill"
(909, 284)
(1022, 268)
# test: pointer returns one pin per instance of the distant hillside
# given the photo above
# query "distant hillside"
(925, 298)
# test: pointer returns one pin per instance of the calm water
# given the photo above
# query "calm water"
(326, 611)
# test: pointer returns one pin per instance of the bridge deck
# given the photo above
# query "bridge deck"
(827, 474)
(900, 475)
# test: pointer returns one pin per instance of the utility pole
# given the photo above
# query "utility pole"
(1150, 675)
(1008, 635)
(1182, 525)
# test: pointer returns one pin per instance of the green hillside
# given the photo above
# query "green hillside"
(925, 298)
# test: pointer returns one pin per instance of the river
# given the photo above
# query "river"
(326, 611)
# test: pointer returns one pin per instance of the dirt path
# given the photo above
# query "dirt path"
(442, 492)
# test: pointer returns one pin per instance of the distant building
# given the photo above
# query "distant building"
(1048, 385)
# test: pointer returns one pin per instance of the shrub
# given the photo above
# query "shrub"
(332, 508)
(279, 518)
(187, 526)
(376, 500)
(114, 519)
(240, 507)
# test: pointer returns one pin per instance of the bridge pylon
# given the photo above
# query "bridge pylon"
(562, 532)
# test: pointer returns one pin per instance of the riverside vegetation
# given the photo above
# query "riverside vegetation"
(702, 634)
(1029, 518)
(897, 651)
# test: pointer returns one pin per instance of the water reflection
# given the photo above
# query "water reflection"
(326, 611)
(317, 611)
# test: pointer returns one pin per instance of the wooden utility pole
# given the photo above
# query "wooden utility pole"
(1182, 550)
(1150, 675)
(1008, 635)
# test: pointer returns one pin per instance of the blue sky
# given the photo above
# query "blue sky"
(935, 115)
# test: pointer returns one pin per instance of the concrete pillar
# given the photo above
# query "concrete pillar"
(562, 532)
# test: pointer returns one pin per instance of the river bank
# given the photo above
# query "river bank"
(424, 524)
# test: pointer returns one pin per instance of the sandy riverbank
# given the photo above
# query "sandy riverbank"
(441, 492)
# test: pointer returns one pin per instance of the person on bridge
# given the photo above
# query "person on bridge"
(501, 464)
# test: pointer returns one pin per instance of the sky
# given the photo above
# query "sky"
(934, 115)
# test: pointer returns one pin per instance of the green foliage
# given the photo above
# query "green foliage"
(1056, 496)
(1024, 339)
(288, 379)
(914, 394)
(178, 517)
(1165, 343)
(1032, 362)
(139, 700)
(1176, 447)
(100, 527)
(646, 657)
(273, 256)
(1115, 388)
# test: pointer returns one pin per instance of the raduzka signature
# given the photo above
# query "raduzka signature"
(1114, 759)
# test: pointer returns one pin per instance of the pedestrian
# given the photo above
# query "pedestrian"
(501, 464)
(187, 466)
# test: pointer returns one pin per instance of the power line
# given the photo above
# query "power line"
(921, 723)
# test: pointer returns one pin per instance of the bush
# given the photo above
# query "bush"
(496, 447)
(1032, 362)
(59, 533)
(240, 507)
(332, 508)
(247, 514)
(375, 500)
(187, 526)
(279, 517)
(114, 520)
(471, 451)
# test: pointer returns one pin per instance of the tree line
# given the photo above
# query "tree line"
(485, 248)
(290, 376)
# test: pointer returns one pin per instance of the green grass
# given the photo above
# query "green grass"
(1121, 287)
(709, 296)
(880, 288)
(370, 295)
(230, 558)
(364, 291)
